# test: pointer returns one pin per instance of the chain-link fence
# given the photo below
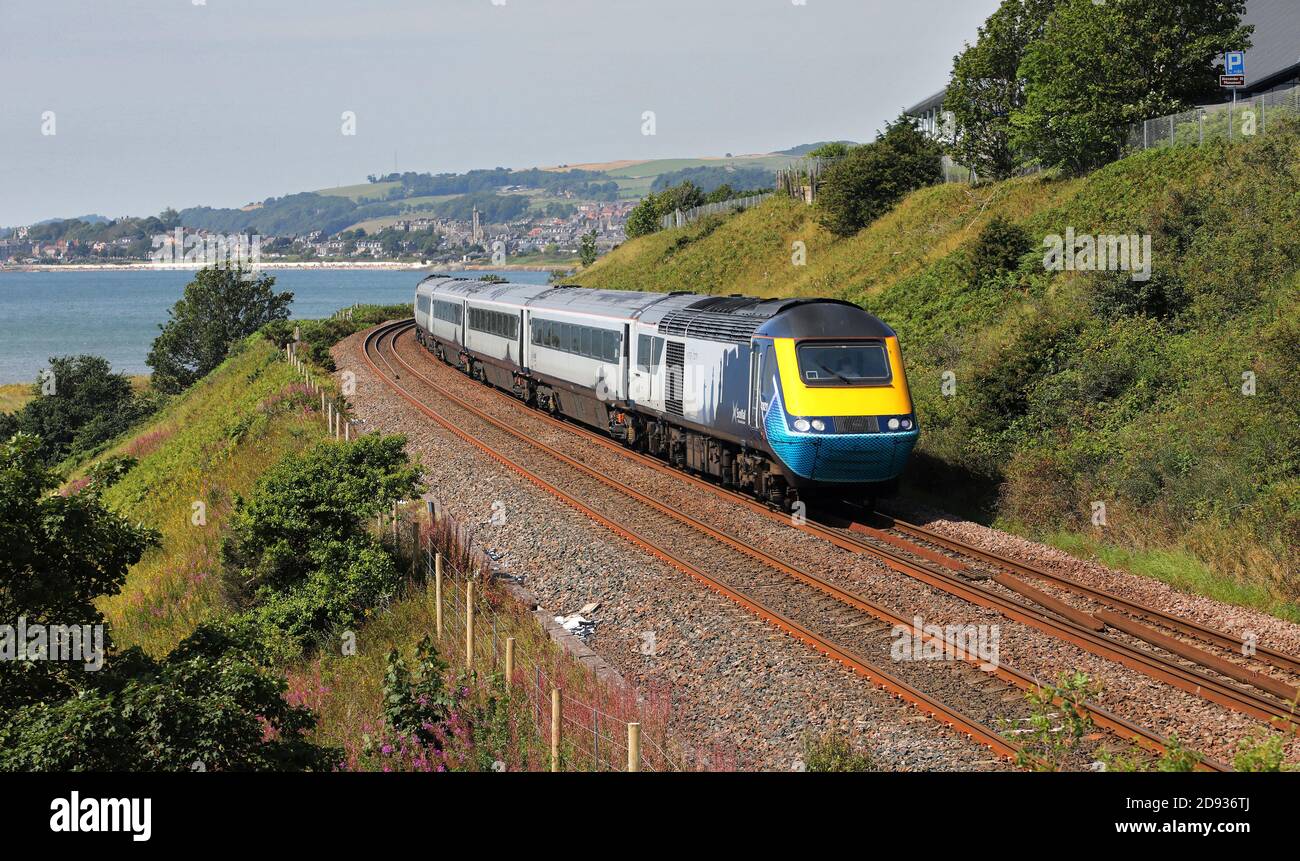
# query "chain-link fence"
(681, 218)
(1226, 122)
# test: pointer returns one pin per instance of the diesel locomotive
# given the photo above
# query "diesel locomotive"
(776, 397)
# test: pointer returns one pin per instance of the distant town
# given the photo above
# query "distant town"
(537, 238)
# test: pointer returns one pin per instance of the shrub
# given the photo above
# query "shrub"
(831, 751)
(870, 179)
(998, 249)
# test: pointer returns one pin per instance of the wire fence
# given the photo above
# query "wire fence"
(578, 722)
(681, 218)
(1226, 122)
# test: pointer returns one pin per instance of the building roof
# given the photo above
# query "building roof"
(1275, 55)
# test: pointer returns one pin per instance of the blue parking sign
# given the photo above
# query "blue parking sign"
(1235, 63)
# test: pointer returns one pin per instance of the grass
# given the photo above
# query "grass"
(752, 252)
(361, 191)
(205, 447)
(14, 396)
(1176, 567)
(213, 443)
(1073, 387)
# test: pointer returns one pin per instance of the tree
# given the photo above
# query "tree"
(830, 149)
(643, 219)
(221, 306)
(587, 249)
(1099, 68)
(867, 182)
(79, 404)
(211, 700)
(986, 87)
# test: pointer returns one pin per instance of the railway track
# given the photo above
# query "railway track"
(1195, 671)
(834, 621)
(1182, 628)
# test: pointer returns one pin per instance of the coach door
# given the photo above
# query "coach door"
(646, 371)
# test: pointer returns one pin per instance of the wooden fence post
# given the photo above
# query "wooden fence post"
(415, 546)
(510, 661)
(555, 729)
(469, 624)
(437, 594)
(634, 747)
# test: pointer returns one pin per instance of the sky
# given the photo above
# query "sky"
(157, 103)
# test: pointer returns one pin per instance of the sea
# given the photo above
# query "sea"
(116, 313)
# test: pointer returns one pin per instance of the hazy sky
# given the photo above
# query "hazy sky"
(221, 102)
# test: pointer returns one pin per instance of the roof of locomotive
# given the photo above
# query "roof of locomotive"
(825, 318)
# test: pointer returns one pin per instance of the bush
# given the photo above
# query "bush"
(297, 553)
(211, 703)
(831, 751)
(87, 405)
(870, 179)
(998, 249)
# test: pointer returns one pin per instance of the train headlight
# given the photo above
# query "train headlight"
(893, 424)
(802, 425)
(907, 424)
(818, 425)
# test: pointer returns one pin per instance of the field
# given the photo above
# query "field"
(13, 396)
(361, 191)
(1171, 403)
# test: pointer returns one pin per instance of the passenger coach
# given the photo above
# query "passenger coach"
(774, 396)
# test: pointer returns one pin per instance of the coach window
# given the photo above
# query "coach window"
(643, 348)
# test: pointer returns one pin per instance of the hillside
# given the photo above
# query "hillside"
(1074, 388)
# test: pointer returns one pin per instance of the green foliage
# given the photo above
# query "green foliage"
(297, 552)
(986, 88)
(587, 249)
(87, 405)
(710, 179)
(831, 751)
(642, 220)
(221, 306)
(1099, 67)
(418, 705)
(206, 706)
(316, 337)
(998, 249)
(867, 182)
(59, 553)
(1058, 720)
(830, 149)
(108, 471)
(1177, 757)
(210, 701)
(1261, 752)
(644, 217)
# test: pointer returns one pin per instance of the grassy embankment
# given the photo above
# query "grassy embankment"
(214, 442)
(1075, 387)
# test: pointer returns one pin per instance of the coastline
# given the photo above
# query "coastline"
(322, 265)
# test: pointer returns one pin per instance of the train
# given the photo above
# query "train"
(782, 399)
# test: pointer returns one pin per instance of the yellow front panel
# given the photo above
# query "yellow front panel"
(802, 400)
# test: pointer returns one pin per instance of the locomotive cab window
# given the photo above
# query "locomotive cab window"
(859, 363)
